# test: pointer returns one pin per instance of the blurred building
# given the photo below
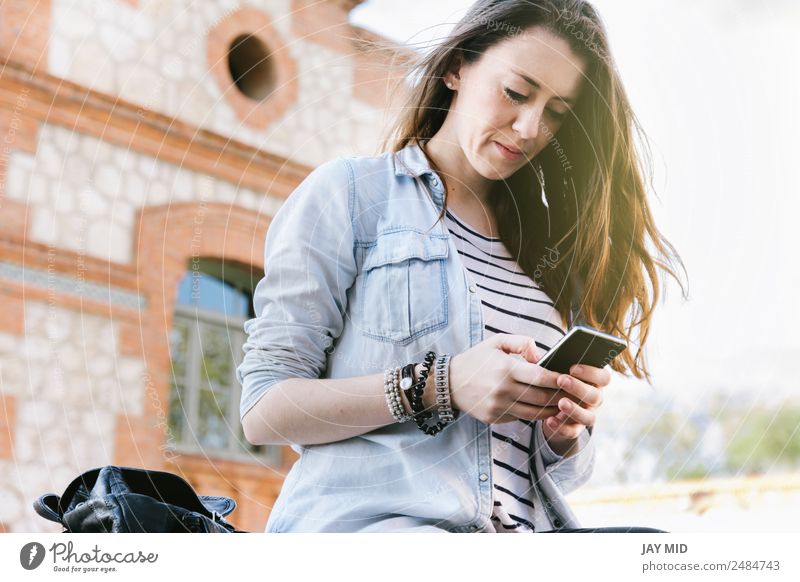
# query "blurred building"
(145, 146)
(748, 503)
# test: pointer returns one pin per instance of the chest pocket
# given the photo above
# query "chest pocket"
(404, 286)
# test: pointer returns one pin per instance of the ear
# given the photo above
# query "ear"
(453, 78)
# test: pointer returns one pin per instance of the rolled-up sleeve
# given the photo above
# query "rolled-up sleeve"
(300, 303)
(571, 472)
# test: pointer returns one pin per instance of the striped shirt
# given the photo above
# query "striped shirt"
(511, 303)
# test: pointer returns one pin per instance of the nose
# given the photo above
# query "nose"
(527, 123)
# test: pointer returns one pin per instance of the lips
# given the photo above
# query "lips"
(513, 150)
(508, 152)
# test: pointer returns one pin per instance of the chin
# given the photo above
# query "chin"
(494, 171)
(485, 168)
(498, 173)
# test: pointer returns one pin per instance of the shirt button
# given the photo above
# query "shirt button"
(472, 288)
(483, 476)
(558, 523)
(435, 181)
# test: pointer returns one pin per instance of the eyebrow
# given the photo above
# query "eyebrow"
(567, 100)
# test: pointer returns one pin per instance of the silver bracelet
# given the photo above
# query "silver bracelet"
(442, 378)
(388, 387)
(398, 398)
(391, 382)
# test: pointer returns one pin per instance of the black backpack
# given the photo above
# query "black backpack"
(114, 499)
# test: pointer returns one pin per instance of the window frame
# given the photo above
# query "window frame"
(192, 384)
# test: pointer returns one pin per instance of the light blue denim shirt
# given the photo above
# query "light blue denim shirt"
(358, 278)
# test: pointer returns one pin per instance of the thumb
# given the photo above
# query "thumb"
(519, 344)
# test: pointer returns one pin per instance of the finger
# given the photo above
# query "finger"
(591, 374)
(564, 428)
(585, 393)
(530, 374)
(524, 411)
(518, 344)
(575, 413)
(539, 396)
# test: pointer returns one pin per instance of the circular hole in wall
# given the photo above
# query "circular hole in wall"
(251, 66)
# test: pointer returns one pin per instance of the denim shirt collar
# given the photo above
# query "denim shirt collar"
(412, 161)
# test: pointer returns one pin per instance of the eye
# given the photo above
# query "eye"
(513, 96)
(517, 98)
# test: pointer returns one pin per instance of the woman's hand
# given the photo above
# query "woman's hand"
(584, 383)
(492, 383)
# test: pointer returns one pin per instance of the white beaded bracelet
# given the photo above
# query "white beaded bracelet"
(391, 379)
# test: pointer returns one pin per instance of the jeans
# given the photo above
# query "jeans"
(614, 529)
(403, 523)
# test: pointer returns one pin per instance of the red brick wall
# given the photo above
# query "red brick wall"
(164, 237)
(24, 30)
(8, 418)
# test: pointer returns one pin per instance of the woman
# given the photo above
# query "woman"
(510, 204)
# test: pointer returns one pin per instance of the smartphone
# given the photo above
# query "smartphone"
(582, 345)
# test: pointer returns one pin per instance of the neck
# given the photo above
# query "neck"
(465, 186)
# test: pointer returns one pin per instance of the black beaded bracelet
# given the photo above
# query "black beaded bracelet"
(418, 407)
(414, 393)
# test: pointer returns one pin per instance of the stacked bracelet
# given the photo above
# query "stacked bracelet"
(443, 396)
(402, 378)
(391, 380)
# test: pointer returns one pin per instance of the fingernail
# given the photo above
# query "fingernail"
(577, 369)
(563, 381)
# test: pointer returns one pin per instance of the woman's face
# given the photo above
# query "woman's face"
(495, 104)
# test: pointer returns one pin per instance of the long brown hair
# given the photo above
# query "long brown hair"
(597, 222)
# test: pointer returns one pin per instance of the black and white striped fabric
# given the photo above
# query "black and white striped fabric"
(511, 303)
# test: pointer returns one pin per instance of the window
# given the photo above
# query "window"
(250, 66)
(214, 300)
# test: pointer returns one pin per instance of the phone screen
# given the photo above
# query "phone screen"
(582, 345)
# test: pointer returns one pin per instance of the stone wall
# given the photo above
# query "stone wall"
(127, 151)
(155, 54)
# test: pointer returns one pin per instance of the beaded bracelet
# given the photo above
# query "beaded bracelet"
(443, 396)
(396, 404)
(444, 409)
(405, 416)
(391, 378)
(414, 393)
